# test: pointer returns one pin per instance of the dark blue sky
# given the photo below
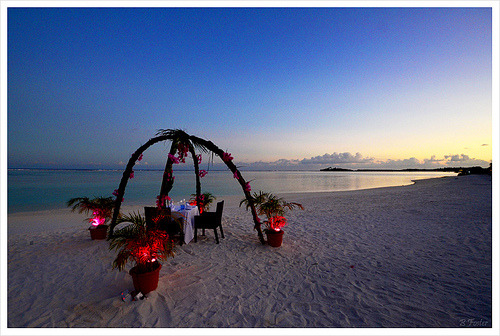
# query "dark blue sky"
(87, 86)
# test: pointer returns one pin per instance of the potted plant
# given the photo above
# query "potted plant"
(274, 208)
(206, 199)
(102, 210)
(145, 247)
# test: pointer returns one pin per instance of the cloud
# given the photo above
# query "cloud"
(337, 158)
(464, 160)
(457, 158)
(433, 160)
(283, 164)
(358, 161)
(314, 163)
(342, 160)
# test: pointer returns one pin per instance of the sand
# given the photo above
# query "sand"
(410, 256)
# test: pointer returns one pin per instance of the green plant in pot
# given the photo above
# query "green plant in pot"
(206, 199)
(101, 209)
(274, 208)
(145, 247)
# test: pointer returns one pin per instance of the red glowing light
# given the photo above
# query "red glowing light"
(146, 250)
(97, 219)
(277, 222)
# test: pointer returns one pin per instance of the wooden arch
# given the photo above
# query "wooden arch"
(180, 137)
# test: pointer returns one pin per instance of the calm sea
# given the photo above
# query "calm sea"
(34, 190)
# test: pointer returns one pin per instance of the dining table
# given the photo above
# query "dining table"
(186, 213)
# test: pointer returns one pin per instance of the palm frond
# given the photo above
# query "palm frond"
(178, 135)
(270, 205)
(201, 144)
(134, 218)
(138, 243)
(173, 134)
(80, 203)
(101, 206)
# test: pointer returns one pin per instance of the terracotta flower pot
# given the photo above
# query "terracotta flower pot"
(274, 238)
(98, 232)
(145, 282)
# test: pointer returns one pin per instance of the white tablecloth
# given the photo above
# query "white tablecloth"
(188, 217)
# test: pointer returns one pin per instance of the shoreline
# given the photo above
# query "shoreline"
(34, 222)
(231, 198)
(56, 194)
(410, 256)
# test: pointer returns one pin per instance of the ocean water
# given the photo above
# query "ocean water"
(35, 190)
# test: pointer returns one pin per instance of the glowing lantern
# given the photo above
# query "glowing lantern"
(97, 219)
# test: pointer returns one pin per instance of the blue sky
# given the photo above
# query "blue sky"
(279, 88)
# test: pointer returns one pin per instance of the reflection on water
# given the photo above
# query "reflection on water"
(31, 190)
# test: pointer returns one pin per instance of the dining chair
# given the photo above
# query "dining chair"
(209, 220)
(162, 219)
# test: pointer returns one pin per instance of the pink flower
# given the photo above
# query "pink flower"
(202, 173)
(132, 174)
(183, 149)
(160, 200)
(173, 158)
(236, 175)
(226, 157)
(247, 187)
(115, 193)
(199, 158)
(140, 158)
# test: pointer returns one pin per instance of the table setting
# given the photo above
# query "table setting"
(187, 212)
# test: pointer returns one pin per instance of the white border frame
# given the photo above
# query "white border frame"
(495, 330)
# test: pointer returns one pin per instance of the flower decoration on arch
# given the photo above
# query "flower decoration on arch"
(174, 159)
(168, 176)
(115, 193)
(183, 151)
(162, 200)
(226, 157)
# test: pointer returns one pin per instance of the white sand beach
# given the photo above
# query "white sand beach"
(410, 256)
